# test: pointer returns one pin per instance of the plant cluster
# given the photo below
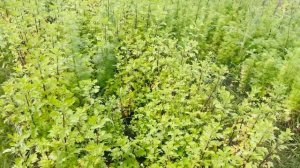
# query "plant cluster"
(148, 83)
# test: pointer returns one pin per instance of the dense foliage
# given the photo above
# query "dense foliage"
(148, 83)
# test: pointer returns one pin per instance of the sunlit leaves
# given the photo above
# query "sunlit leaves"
(147, 83)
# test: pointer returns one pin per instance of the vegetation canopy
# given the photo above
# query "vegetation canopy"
(149, 83)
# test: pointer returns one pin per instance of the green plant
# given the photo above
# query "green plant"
(155, 83)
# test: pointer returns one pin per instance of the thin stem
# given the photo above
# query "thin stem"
(30, 111)
(148, 15)
(136, 16)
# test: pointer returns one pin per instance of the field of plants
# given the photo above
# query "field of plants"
(149, 83)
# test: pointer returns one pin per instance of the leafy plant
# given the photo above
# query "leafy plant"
(148, 83)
